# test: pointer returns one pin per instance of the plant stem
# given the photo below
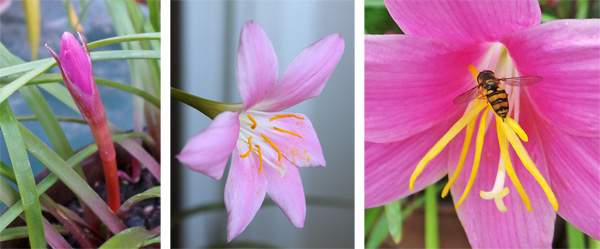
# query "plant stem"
(594, 244)
(431, 219)
(575, 238)
(210, 108)
(106, 149)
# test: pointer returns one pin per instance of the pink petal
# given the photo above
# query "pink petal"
(574, 168)
(76, 63)
(388, 167)
(410, 83)
(256, 64)
(468, 21)
(566, 54)
(207, 152)
(484, 224)
(244, 192)
(302, 152)
(287, 192)
(307, 74)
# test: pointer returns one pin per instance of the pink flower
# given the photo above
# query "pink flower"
(411, 81)
(75, 65)
(268, 145)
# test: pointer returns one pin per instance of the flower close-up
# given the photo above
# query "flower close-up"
(529, 151)
(266, 145)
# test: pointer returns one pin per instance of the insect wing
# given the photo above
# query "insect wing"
(522, 81)
(467, 96)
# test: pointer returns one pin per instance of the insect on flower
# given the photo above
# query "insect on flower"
(488, 85)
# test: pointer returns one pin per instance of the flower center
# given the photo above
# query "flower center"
(507, 129)
(253, 133)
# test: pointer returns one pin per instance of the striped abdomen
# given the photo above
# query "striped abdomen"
(498, 100)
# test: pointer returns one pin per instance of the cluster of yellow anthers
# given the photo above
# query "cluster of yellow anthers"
(506, 129)
(253, 125)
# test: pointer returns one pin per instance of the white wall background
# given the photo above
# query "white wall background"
(210, 34)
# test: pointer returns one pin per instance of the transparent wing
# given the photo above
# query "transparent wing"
(467, 96)
(522, 81)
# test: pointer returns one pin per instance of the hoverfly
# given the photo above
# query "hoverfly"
(490, 85)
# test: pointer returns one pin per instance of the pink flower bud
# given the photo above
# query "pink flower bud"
(76, 63)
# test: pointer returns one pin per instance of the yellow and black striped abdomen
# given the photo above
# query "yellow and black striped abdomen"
(498, 100)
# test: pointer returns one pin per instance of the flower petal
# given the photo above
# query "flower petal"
(302, 149)
(256, 64)
(566, 54)
(410, 83)
(307, 74)
(287, 193)
(574, 168)
(468, 21)
(207, 152)
(76, 63)
(388, 167)
(244, 192)
(484, 224)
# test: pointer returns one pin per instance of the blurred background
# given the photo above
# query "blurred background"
(205, 41)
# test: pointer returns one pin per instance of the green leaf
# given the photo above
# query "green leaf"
(55, 78)
(8, 195)
(124, 38)
(96, 56)
(152, 241)
(150, 193)
(154, 9)
(23, 175)
(21, 232)
(370, 216)
(394, 219)
(379, 21)
(10, 88)
(378, 235)
(71, 179)
(133, 238)
(47, 182)
(32, 19)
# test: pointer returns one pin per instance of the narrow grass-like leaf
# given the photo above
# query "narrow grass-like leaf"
(10, 88)
(154, 9)
(44, 79)
(59, 118)
(394, 219)
(8, 195)
(96, 56)
(378, 235)
(152, 241)
(370, 216)
(45, 184)
(23, 175)
(32, 19)
(132, 238)
(21, 232)
(71, 179)
(127, 205)
(60, 92)
(124, 38)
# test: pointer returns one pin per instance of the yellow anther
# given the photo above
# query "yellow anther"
(478, 149)
(253, 122)
(285, 116)
(461, 161)
(474, 71)
(439, 146)
(528, 163)
(285, 131)
(508, 164)
(260, 158)
(249, 148)
(272, 145)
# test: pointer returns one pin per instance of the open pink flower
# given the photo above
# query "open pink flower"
(411, 81)
(268, 145)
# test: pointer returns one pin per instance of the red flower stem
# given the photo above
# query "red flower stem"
(106, 149)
